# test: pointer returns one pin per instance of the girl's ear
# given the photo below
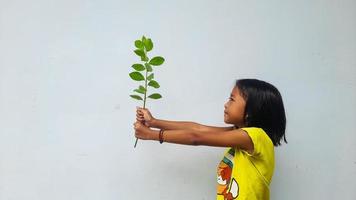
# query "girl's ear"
(247, 119)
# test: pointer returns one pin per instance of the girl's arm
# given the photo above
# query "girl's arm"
(182, 125)
(215, 128)
(144, 115)
(173, 125)
(232, 138)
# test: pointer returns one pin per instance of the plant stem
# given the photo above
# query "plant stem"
(136, 142)
(144, 100)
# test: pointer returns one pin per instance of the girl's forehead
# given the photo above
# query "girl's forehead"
(235, 92)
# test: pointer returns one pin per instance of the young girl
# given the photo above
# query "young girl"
(255, 109)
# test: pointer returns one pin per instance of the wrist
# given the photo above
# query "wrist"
(153, 123)
(154, 135)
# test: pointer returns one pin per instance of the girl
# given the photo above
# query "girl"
(255, 109)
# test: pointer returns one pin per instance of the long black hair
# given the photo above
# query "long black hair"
(264, 108)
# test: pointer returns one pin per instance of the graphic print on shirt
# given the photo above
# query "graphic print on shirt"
(227, 187)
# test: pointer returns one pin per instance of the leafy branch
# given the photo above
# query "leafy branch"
(143, 47)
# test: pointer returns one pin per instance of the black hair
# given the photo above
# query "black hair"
(264, 108)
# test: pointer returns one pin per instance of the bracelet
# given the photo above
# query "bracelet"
(160, 136)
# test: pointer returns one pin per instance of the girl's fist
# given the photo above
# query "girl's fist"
(142, 131)
(144, 115)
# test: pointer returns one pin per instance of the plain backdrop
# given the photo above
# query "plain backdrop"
(66, 118)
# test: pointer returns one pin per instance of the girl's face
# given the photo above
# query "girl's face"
(235, 109)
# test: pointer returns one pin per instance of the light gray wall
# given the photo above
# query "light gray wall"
(66, 116)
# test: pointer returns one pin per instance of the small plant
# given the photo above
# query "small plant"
(143, 47)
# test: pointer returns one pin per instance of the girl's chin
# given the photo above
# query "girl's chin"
(225, 118)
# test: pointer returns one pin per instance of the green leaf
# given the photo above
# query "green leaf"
(140, 53)
(148, 67)
(150, 77)
(154, 84)
(158, 60)
(143, 39)
(137, 76)
(139, 44)
(139, 91)
(136, 97)
(148, 44)
(155, 96)
(144, 58)
(142, 88)
(138, 67)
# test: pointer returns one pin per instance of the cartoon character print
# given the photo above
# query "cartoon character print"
(227, 187)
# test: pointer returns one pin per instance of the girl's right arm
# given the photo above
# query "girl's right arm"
(174, 125)
(206, 128)
(150, 121)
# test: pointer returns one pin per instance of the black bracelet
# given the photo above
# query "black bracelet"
(160, 136)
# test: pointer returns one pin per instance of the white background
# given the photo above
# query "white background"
(66, 118)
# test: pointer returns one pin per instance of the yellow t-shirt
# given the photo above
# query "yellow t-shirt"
(244, 176)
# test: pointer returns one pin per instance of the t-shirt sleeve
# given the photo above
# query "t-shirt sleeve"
(256, 137)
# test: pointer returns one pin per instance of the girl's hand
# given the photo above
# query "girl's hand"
(142, 131)
(144, 115)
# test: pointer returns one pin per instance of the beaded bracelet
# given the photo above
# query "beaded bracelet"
(160, 135)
